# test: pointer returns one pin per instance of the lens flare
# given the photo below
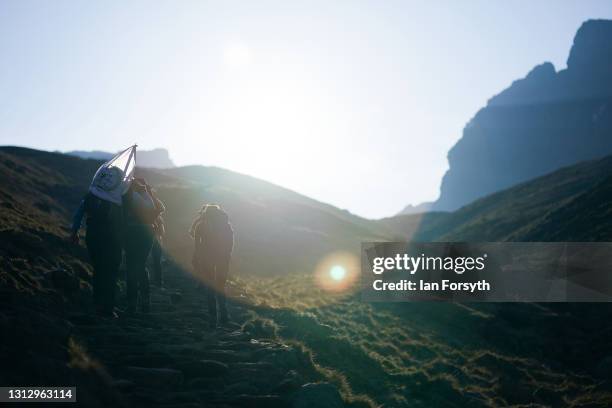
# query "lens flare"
(337, 272)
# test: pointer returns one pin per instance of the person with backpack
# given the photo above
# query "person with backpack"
(104, 248)
(214, 241)
(140, 210)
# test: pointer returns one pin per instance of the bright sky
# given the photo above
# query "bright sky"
(352, 103)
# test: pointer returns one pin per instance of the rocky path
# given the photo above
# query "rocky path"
(170, 358)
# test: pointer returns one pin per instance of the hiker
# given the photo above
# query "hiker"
(140, 210)
(196, 221)
(159, 230)
(214, 240)
(104, 247)
(192, 229)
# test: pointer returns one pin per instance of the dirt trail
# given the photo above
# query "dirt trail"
(170, 358)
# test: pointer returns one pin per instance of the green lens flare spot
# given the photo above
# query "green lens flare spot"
(337, 273)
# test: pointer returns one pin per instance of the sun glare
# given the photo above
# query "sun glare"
(237, 55)
(337, 272)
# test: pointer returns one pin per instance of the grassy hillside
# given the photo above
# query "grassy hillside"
(400, 355)
(167, 358)
(45, 284)
(447, 354)
(417, 227)
(277, 230)
(259, 190)
(587, 217)
(41, 277)
(570, 204)
(481, 355)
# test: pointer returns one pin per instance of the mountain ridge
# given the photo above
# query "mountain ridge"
(540, 123)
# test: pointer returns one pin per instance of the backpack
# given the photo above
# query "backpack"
(97, 210)
(141, 207)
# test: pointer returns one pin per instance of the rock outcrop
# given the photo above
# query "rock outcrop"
(542, 122)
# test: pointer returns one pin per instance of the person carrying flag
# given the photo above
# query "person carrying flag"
(102, 207)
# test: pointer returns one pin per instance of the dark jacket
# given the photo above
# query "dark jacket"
(101, 214)
(137, 216)
(214, 240)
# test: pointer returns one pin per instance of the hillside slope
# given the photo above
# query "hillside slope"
(570, 204)
(588, 217)
(41, 277)
(277, 230)
(401, 354)
(426, 354)
(261, 190)
(167, 358)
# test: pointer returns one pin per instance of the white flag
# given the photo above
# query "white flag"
(113, 178)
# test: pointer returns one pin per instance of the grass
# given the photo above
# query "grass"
(423, 354)
(416, 354)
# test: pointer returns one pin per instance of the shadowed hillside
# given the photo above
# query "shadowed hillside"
(167, 358)
(478, 354)
(587, 217)
(570, 204)
(275, 227)
(42, 277)
(289, 331)
(277, 230)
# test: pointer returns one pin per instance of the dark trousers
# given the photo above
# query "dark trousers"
(138, 241)
(156, 254)
(215, 273)
(105, 253)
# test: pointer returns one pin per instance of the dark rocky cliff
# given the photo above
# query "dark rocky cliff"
(540, 123)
